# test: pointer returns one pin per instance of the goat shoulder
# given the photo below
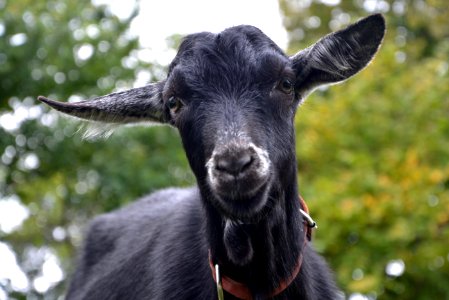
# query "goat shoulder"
(147, 250)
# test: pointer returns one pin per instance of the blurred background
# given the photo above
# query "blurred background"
(373, 153)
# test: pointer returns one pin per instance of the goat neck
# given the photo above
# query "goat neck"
(264, 253)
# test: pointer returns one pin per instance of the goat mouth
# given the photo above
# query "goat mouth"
(241, 200)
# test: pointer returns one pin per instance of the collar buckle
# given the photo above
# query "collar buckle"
(310, 222)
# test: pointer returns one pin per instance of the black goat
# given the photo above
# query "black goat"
(233, 98)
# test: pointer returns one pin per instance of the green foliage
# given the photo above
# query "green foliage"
(373, 152)
(53, 32)
(65, 48)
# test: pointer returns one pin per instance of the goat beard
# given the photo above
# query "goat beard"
(237, 241)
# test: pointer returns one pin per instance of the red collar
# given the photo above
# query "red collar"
(241, 291)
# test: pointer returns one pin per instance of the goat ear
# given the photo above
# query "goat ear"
(143, 104)
(339, 55)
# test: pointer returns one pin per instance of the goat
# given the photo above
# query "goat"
(233, 97)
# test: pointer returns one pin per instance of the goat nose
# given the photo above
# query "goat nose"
(233, 163)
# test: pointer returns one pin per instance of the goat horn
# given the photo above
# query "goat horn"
(134, 105)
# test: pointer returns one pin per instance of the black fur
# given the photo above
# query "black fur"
(233, 97)
(157, 248)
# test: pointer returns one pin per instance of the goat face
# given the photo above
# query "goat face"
(233, 98)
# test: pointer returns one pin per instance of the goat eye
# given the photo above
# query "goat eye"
(174, 104)
(286, 86)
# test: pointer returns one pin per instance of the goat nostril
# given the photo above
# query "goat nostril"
(234, 164)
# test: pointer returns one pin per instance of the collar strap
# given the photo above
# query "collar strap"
(241, 290)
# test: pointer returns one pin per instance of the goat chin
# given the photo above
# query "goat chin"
(246, 207)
